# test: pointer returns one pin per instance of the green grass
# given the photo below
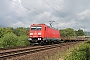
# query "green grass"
(78, 52)
(55, 56)
(81, 52)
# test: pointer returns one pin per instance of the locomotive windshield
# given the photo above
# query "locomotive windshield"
(36, 27)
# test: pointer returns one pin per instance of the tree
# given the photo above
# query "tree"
(1, 32)
(80, 33)
(68, 33)
(4, 31)
(20, 31)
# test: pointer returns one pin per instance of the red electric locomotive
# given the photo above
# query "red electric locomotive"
(41, 33)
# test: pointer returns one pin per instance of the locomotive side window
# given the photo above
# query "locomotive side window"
(36, 27)
(45, 28)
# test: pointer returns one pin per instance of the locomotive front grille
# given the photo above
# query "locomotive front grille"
(35, 39)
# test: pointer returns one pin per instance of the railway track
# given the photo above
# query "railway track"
(10, 53)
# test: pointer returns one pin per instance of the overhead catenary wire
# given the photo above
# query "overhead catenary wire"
(81, 25)
(56, 10)
(53, 8)
(59, 8)
(24, 7)
(34, 8)
(29, 5)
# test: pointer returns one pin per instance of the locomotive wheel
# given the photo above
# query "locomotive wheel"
(42, 43)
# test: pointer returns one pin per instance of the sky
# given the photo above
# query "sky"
(65, 13)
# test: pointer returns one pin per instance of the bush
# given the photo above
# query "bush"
(9, 40)
(77, 56)
(1, 43)
(23, 41)
(88, 42)
(83, 53)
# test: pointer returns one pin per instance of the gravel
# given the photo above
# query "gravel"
(46, 54)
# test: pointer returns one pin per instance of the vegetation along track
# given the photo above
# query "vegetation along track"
(9, 53)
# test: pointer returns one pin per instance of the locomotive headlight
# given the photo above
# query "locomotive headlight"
(31, 33)
(39, 33)
(39, 38)
(30, 39)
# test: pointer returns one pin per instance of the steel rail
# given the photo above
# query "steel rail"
(14, 53)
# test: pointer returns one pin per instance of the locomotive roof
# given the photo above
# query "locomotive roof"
(38, 24)
(46, 25)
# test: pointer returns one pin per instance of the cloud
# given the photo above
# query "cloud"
(23, 13)
(83, 15)
(20, 24)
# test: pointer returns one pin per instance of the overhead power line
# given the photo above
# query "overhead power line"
(53, 8)
(24, 7)
(34, 8)
(28, 4)
(59, 8)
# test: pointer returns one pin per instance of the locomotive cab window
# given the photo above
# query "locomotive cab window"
(39, 27)
(36, 27)
(33, 28)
